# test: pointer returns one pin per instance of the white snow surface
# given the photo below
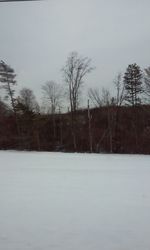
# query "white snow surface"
(74, 201)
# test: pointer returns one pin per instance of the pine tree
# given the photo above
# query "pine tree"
(7, 79)
(133, 84)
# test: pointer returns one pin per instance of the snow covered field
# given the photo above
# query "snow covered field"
(74, 201)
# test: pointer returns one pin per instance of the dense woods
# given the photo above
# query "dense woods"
(118, 123)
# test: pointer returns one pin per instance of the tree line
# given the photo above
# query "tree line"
(117, 123)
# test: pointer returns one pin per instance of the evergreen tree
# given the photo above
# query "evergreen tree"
(147, 81)
(133, 84)
(7, 79)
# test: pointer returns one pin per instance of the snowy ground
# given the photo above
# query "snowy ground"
(74, 202)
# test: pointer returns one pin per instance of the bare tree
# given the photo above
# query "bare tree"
(94, 95)
(103, 99)
(28, 99)
(107, 100)
(90, 129)
(74, 72)
(120, 88)
(52, 96)
(120, 97)
(100, 97)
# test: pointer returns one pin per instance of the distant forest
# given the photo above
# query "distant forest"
(118, 123)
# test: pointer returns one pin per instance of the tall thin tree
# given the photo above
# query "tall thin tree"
(7, 79)
(74, 72)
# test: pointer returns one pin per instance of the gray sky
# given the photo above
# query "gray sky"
(36, 38)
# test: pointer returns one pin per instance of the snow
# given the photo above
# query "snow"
(74, 201)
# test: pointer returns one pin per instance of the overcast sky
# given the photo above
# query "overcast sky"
(36, 38)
